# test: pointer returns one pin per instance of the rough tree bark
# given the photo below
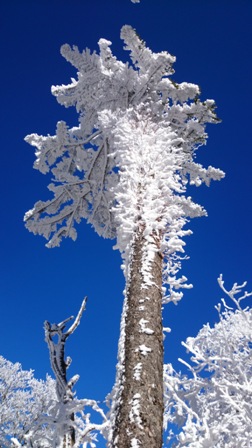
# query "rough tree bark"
(139, 419)
(56, 339)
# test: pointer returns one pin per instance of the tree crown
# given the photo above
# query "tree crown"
(126, 166)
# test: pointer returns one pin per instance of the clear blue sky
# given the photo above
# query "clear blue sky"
(212, 42)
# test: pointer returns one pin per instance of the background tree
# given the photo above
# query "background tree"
(212, 405)
(23, 402)
(73, 428)
(64, 388)
(47, 414)
(125, 169)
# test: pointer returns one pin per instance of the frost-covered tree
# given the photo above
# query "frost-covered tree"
(23, 402)
(125, 169)
(72, 427)
(56, 339)
(212, 405)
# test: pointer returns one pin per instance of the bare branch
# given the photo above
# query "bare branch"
(78, 318)
(59, 364)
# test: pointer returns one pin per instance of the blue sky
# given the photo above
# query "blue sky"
(212, 42)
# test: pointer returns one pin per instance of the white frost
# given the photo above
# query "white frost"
(134, 442)
(134, 415)
(137, 371)
(144, 350)
(143, 328)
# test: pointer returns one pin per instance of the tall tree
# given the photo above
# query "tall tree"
(125, 169)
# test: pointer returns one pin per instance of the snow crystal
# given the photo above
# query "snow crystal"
(143, 328)
(137, 371)
(134, 442)
(144, 350)
(134, 414)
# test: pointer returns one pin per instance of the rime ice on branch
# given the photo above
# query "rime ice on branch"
(57, 353)
(125, 169)
(212, 405)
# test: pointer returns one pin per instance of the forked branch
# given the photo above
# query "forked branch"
(56, 339)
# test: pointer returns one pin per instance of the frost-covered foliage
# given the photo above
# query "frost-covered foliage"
(24, 401)
(31, 414)
(126, 166)
(212, 406)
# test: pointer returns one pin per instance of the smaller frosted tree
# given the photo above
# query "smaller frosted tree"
(73, 427)
(47, 414)
(212, 406)
(23, 402)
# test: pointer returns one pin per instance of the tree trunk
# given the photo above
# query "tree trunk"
(139, 419)
(69, 437)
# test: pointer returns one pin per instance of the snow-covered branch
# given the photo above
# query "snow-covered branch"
(57, 353)
(211, 406)
(59, 366)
